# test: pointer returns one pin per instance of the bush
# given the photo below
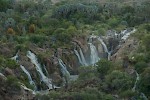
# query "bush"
(11, 64)
(10, 31)
(146, 41)
(140, 66)
(85, 96)
(113, 22)
(43, 97)
(32, 28)
(13, 82)
(103, 67)
(144, 85)
(61, 35)
(118, 81)
(87, 73)
(10, 23)
(127, 94)
(4, 4)
(37, 39)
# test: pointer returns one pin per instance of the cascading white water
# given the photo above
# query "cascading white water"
(127, 34)
(109, 55)
(137, 79)
(25, 71)
(82, 57)
(79, 58)
(45, 79)
(29, 76)
(105, 47)
(15, 57)
(45, 70)
(135, 85)
(64, 70)
(94, 54)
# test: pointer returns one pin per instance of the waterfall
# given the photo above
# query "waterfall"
(45, 70)
(64, 70)
(29, 76)
(105, 47)
(25, 88)
(135, 85)
(15, 57)
(45, 79)
(78, 55)
(126, 35)
(94, 54)
(137, 79)
(82, 57)
(109, 55)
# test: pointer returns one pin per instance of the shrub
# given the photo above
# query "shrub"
(11, 63)
(13, 82)
(61, 35)
(146, 41)
(140, 66)
(103, 67)
(127, 94)
(43, 97)
(10, 31)
(10, 23)
(113, 22)
(87, 73)
(144, 85)
(32, 28)
(37, 39)
(118, 81)
(4, 4)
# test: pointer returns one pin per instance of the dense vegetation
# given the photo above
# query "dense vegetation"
(26, 22)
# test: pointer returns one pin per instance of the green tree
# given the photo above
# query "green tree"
(146, 41)
(4, 5)
(144, 83)
(103, 67)
(140, 66)
(118, 81)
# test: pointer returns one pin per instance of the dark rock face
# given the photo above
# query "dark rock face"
(9, 71)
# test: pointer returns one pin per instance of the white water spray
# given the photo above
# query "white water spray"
(105, 47)
(15, 57)
(78, 55)
(126, 35)
(82, 57)
(64, 70)
(137, 79)
(45, 79)
(94, 54)
(135, 85)
(45, 70)
(29, 76)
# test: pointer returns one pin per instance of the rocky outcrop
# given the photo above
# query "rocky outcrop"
(125, 49)
(7, 50)
(11, 92)
(9, 71)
